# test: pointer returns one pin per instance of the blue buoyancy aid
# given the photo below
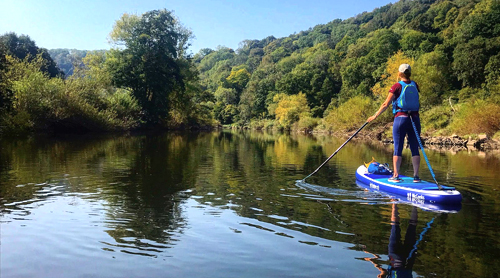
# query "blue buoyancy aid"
(408, 100)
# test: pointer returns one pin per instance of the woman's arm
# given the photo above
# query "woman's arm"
(383, 107)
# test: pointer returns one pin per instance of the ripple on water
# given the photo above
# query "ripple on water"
(343, 195)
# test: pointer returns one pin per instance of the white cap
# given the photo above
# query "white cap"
(405, 68)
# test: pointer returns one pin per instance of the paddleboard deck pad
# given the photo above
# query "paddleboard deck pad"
(421, 192)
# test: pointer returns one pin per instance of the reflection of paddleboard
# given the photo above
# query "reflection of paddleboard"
(419, 193)
(435, 207)
(369, 197)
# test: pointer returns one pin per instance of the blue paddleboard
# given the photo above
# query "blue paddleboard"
(407, 190)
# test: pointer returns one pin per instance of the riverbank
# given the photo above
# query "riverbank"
(479, 142)
(455, 142)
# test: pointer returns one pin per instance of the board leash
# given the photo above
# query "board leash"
(423, 152)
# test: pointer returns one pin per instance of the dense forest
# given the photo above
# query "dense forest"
(328, 78)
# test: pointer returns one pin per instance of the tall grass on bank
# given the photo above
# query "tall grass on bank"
(436, 119)
(475, 117)
(261, 124)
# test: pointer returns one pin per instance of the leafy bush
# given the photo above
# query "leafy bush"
(79, 103)
(124, 105)
(493, 90)
(307, 123)
(256, 124)
(15, 124)
(34, 94)
(351, 114)
(467, 93)
(291, 109)
(496, 136)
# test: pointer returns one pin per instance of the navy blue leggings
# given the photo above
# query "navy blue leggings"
(399, 252)
(402, 126)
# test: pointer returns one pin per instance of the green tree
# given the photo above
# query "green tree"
(443, 16)
(149, 64)
(469, 60)
(226, 95)
(201, 54)
(211, 58)
(482, 21)
(492, 69)
(23, 47)
(238, 79)
(410, 42)
(365, 61)
(340, 31)
(312, 77)
(432, 73)
(215, 67)
(291, 109)
(5, 93)
(253, 99)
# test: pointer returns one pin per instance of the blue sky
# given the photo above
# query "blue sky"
(85, 25)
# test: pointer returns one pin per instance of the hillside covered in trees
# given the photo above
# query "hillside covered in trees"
(68, 59)
(335, 75)
(328, 78)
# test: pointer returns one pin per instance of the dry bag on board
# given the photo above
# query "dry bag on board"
(375, 167)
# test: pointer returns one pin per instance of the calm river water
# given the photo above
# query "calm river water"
(226, 204)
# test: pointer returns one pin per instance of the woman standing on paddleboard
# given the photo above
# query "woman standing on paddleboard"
(403, 96)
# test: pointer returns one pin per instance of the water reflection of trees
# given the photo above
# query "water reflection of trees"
(148, 191)
(138, 179)
(141, 179)
(258, 168)
(255, 170)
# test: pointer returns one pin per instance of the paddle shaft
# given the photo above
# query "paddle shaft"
(333, 154)
(423, 152)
